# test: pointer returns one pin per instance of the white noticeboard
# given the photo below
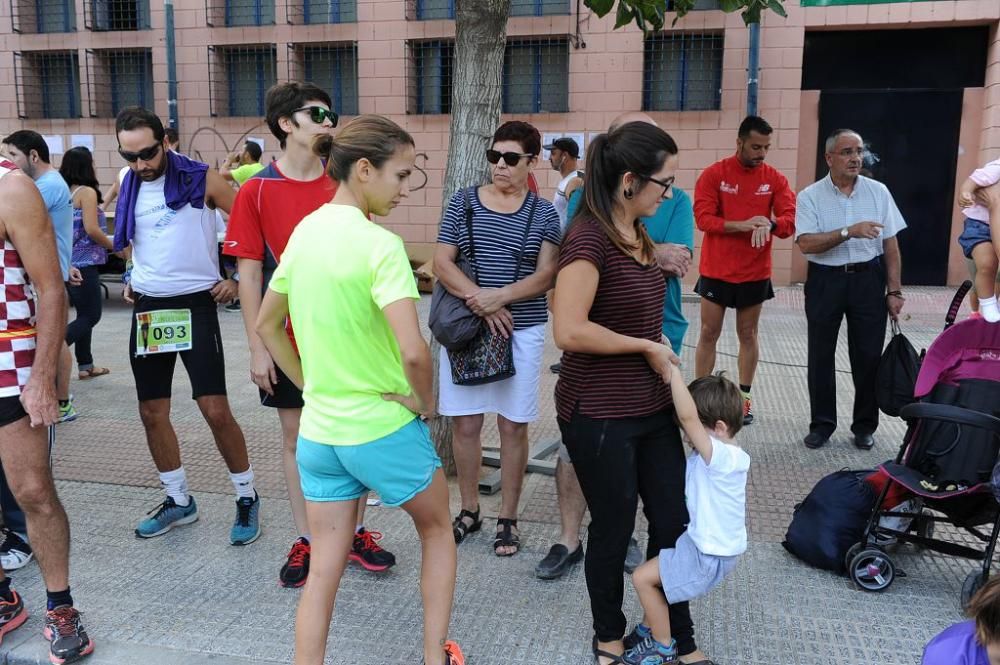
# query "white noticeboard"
(55, 143)
(83, 141)
(549, 137)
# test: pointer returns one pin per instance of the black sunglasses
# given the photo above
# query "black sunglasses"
(512, 158)
(318, 114)
(145, 154)
(665, 184)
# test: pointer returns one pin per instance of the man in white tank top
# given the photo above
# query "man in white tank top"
(564, 153)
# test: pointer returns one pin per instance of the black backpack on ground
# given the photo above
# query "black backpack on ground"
(831, 519)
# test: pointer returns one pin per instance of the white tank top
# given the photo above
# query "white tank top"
(175, 252)
(560, 201)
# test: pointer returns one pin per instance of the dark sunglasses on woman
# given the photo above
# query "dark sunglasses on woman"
(145, 154)
(318, 114)
(511, 158)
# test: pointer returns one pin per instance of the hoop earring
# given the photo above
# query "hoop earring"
(627, 194)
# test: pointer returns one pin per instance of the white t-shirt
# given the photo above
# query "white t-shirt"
(716, 497)
(175, 252)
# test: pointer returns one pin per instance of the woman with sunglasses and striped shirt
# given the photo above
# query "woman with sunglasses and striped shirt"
(508, 223)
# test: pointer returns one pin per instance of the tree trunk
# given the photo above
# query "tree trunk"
(480, 37)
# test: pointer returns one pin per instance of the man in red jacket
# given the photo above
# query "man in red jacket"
(739, 202)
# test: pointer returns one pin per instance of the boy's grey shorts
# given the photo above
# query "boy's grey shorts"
(687, 573)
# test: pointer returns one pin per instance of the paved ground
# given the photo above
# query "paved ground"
(190, 598)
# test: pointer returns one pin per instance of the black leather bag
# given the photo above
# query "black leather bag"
(451, 322)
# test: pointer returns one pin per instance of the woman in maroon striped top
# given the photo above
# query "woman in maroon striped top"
(613, 396)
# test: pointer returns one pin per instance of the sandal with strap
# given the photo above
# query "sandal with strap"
(600, 653)
(461, 529)
(506, 536)
(92, 373)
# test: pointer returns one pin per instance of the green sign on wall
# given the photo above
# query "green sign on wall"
(830, 3)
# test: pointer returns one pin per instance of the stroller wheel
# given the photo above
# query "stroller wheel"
(872, 570)
(973, 582)
(851, 553)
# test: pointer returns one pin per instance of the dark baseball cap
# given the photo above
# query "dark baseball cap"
(567, 145)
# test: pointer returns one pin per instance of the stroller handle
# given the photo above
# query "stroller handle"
(951, 414)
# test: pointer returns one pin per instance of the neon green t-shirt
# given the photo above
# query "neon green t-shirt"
(339, 270)
(245, 172)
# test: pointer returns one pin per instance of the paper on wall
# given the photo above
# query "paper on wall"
(82, 140)
(55, 143)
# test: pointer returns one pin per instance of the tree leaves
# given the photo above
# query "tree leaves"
(650, 15)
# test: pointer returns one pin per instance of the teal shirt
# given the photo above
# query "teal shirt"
(672, 223)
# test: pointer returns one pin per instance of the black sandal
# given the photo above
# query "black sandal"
(506, 536)
(461, 529)
(600, 653)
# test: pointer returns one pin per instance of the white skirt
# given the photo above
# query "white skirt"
(516, 398)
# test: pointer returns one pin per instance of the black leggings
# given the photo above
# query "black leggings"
(86, 298)
(617, 461)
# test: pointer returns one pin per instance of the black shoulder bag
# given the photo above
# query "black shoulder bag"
(451, 322)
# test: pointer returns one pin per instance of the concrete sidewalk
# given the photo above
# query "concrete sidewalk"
(190, 598)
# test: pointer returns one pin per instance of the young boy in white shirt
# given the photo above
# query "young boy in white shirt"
(710, 413)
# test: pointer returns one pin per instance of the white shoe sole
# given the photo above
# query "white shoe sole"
(190, 519)
(14, 562)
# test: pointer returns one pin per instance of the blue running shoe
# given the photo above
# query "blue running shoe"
(637, 636)
(246, 528)
(651, 652)
(165, 517)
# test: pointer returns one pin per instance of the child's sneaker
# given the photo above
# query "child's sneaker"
(638, 634)
(651, 652)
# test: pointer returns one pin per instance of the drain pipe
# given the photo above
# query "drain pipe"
(753, 66)
(168, 7)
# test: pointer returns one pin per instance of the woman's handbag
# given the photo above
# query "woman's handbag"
(451, 322)
(490, 356)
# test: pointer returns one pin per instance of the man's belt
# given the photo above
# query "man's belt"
(847, 267)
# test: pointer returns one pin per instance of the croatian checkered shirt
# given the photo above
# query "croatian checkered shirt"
(821, 208)
(17, 318)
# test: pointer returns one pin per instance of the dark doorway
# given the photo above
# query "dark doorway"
(913, 139)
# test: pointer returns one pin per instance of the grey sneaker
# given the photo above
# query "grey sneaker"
(166, 516)
(634, 558)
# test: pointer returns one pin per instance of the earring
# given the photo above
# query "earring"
(628, 194)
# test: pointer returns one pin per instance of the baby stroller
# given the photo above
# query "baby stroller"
(947, 458)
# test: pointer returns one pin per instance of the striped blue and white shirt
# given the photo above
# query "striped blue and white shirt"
(822, 207)
(498, 243)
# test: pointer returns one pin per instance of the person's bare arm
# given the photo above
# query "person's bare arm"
(25, 223)
(261, 364)
(893, 279)
(817, 243)
(270, 326)
(401, 316)
(110, 196)
(487, 301)
(687, 415)
(218, 193)
(449, 274)
(87, 198)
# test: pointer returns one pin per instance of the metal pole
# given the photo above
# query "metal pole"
(753, 65)
(168, 6)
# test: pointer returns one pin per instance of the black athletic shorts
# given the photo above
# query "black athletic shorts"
(11, 410)
(286, 395)
(737, 296)
(204, 362)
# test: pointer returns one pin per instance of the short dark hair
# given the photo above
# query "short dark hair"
(754, 123)
(137, 117)
(985, 609)
(283, 99)
(26, 140)
(252, 149)
(523, 133)
(170, 133)
(77, 168)
(717, 398)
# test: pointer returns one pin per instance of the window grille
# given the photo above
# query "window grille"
(311, 12)
(239, 77)
(104, 15)
(232, 13)
(333, 67)
(41, 16)
(429, 10)
(47, 84)
(536, 75)
(699, 5)
(682, 72)
(538, 7)
(117, 78)
(430, 76)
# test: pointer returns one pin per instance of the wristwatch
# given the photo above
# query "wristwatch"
(845, 232)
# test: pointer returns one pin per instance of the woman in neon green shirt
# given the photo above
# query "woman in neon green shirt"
(365, 374)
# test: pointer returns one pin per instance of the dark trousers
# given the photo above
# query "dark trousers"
(86, 299)
(617, 461)
(859, 297)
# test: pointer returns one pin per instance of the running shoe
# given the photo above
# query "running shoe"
(14, 552)
(296, 569)
(747, 409)
(246, 526)
(367, 552)
(166, 516)
(453, 653)
(68, 641)
(234, 306)
(638, 634)
(12, 613)
(651, 652)
(67, 412)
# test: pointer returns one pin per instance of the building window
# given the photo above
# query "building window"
(699, 5)
(41, 16)
(232, 13)
(333, 67)
(427, 10)
(682, 72)
(104, 15)
(239, 78)
(323, 11)
(47, 84)
(429, 84)
(535, 76)
(117, 78)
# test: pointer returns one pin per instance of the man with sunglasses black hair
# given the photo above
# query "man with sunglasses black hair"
(268, 207)
(166, 214)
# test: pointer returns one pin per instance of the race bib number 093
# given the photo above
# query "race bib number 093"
(163, 331)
